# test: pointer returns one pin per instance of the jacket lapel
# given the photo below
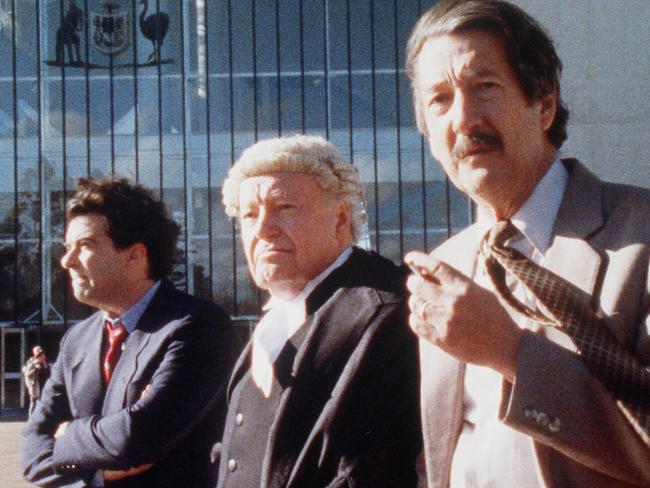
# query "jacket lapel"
(300, 414)
(441, 391)
(441, 400)
(87, 385)
(125, 370)
(284, 435)
(241, 366)
(571, 255)
(154, 317)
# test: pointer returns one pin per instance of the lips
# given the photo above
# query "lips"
(77, 279)
(476, 150)
(269, 253)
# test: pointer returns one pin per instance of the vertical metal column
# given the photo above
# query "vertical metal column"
(348, 30)
(208, 133)
(231, 114)
(398, 131)
(136, 104)
(373, 91)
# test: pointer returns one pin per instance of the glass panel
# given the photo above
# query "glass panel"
(330, 67)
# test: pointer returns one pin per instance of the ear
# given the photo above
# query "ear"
(343, 221)
(548, 107)
(137, 252)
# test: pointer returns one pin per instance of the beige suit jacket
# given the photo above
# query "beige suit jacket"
(601, 243)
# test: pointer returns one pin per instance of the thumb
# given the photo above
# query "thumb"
(430, 267)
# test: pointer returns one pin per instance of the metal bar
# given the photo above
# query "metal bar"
(64, 158)
(326, 67)
(423, 176)
(398, 132)
(209, 147)
(301, 16)
(278, 65)
(242, 74)
(235, 306)
(3, 368)
(23, 348)
(184, 150)
(45, 304)
(423, 171)
(373, 93)
(254, 39)
(159, 100)
(87, 85)
(348, 28)
(136, 128)
(255, 114)
(14, 108)
(111, 101)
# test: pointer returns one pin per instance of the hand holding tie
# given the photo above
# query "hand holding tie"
(462, 318)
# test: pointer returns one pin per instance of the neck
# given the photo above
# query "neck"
(514, 198)
(291, 289)
(131, 294)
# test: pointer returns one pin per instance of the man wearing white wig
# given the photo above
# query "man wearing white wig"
(325, 393)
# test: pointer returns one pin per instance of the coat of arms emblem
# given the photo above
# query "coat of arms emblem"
(110, 29)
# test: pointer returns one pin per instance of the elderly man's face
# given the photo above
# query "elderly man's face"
(490, 139)
(291, 230)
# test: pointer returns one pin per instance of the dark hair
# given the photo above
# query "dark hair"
(529, 49)
(133, 215)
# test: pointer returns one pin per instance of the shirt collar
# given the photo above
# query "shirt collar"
(536, 218)
(131, 317)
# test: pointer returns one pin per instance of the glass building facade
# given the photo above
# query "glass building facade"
(168, 93)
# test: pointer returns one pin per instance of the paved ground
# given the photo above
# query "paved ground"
(10, 429)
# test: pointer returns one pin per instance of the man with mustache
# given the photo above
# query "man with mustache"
(135, 398)
(531, 319)
(325, 394)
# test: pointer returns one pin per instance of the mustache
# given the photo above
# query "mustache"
(475, 142)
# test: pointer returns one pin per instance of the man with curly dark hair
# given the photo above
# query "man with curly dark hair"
(135, 394)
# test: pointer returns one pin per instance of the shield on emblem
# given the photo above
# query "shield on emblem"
(110, 31)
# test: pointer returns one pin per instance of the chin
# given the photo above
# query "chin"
(83, 296)
(477, 181)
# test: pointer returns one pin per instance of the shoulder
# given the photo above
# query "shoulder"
(83, 329)
(369, 274)
(466, 235)
(177, 304)
(627, 202)
(624, 208)
(362, 304)
(460, 250)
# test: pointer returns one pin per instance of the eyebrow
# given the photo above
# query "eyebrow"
(91, 238)
(471, 73)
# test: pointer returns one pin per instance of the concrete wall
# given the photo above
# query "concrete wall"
(606, 81)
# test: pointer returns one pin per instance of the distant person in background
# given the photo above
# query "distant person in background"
(36, 372)
(135, 396)
(325, 394)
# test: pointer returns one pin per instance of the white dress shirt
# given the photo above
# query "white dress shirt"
(489, 453)
(282, 320)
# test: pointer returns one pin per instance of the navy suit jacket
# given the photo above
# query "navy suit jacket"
(182, 350)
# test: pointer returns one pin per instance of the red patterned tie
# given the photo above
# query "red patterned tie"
(116, 334)
(616, 367)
